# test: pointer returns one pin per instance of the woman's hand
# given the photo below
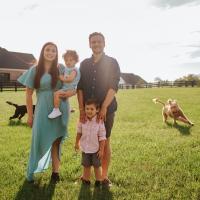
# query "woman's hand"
(30, 121)
(67, 94)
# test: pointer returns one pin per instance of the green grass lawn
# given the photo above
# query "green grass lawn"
(150, 160)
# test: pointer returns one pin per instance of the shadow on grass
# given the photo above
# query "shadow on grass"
(98, 194)
(184, 130)
(17, 123)
(33, 191)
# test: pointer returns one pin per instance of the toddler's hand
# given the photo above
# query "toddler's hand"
(61, 77)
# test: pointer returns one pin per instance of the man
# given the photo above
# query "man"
(100, 76)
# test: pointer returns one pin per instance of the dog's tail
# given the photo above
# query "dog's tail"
(10, 103)
(156, 100)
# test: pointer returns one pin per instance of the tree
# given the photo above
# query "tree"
(157, 79)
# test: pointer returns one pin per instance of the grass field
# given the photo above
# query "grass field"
(150, 160)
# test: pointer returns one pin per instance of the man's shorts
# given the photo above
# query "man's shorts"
(90, 159)
(109, 123)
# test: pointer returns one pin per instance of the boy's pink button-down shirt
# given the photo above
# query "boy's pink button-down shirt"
(92, 132)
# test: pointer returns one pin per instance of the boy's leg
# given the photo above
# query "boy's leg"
(86, 173)
(97, 172)
(56, 111)
(57, 95)
(86, 162)
(97, 169)
(57, 99)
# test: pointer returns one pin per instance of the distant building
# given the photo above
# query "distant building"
(129, 80)
(13, 64)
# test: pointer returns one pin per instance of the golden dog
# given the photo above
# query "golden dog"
(173, 110)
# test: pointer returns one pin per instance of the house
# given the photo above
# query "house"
(130, 80)
(13, 64)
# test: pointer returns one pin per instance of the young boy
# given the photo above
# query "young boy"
(92, 137)
(70, 80)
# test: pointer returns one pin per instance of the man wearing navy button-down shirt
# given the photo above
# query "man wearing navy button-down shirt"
(100, 76)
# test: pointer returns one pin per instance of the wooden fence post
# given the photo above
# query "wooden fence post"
(15, 86)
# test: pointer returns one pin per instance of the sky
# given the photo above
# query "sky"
(150, 38)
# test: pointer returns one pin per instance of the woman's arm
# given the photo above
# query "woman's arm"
(29, 105)
(67, 94)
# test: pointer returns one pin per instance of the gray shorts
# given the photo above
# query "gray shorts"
(109, 123)
(90, 159)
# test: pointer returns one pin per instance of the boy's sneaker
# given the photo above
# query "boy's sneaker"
(85, 182)
(55, 113)
(97, 183)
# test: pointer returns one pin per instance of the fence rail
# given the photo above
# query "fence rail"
(14, 85)
(10, 86)
(161, 84)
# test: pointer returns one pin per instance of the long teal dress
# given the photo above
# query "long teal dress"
(44, 131)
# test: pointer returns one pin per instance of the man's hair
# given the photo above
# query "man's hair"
(96, 33)
(72, 54)
(92, 101)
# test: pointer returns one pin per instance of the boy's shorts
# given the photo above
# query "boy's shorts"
(90, 159)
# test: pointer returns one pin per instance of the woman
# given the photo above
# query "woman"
(47, 134)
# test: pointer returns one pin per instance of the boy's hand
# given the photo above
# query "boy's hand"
(100, 154)
(76, 147)
(61, 77)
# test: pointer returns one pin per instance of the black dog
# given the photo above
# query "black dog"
(20, 111)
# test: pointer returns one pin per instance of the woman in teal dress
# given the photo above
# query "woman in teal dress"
(47, 134)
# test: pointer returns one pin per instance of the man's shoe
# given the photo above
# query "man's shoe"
(106, 183)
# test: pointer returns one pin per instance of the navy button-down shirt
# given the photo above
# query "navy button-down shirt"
(98, 78)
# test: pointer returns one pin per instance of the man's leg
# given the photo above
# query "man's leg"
(86, 173)
(107, 149)
(106, 159)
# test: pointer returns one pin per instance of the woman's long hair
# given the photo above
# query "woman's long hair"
(40, 68)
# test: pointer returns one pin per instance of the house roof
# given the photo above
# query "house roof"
(15, 60)
(132, 79)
